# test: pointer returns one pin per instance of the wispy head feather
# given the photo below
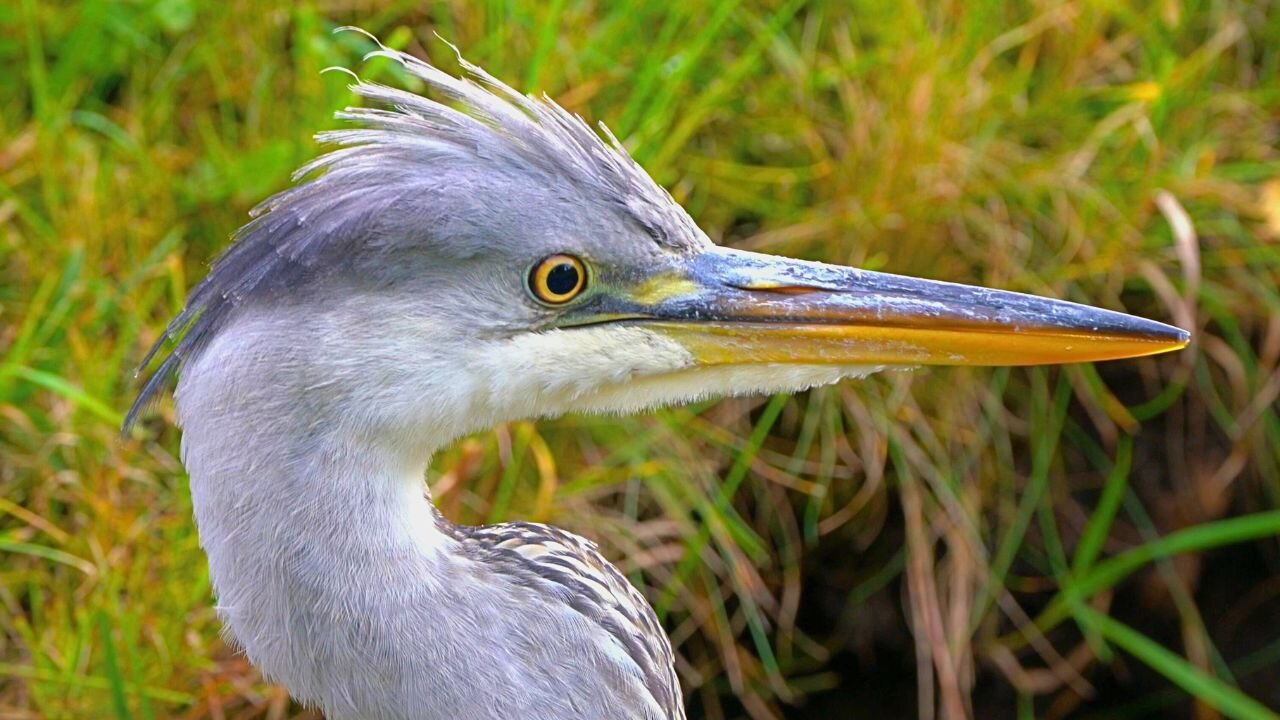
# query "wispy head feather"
(344, 198)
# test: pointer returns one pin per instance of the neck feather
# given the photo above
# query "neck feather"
(302, 521)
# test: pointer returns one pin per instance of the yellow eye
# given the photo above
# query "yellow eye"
(558, 279)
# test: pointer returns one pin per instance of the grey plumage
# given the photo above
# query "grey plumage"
(421, 179)
(572, 568)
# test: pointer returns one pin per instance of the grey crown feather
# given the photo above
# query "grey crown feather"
(305, 232)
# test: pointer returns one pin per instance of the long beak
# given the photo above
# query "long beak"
(733, 307)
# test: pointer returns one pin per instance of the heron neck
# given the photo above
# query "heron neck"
(303, 522)
(272, 503)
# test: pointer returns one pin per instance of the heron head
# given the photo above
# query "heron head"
(487, 257)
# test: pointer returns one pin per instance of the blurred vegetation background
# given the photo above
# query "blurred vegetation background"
(1084, 541)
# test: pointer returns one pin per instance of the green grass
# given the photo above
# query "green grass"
(1090, 540)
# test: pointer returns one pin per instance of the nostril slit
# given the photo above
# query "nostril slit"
(777, 288)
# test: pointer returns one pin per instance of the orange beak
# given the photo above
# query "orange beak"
(733, 307)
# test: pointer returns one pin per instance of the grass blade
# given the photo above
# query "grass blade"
(1177, 670)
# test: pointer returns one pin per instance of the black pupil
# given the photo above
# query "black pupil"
(562, 279)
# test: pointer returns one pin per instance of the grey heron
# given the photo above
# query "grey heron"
(461, 262)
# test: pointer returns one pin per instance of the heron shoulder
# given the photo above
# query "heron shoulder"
(573, 571)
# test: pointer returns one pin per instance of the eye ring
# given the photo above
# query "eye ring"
(557, 279)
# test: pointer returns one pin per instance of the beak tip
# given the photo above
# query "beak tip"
(1176, 337)
(1169, 338)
